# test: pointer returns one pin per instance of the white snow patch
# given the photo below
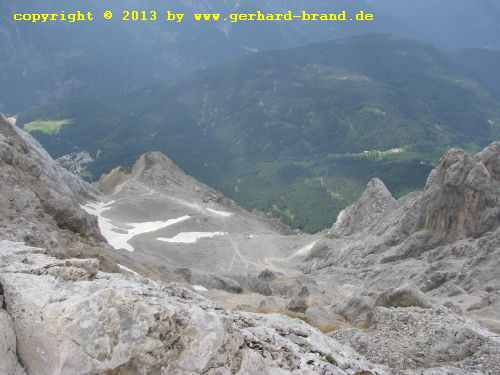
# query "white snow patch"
(183, 202)
(220, 213)
(119, 236)
(123, 268)
(200, 288)
(191, 237)
(303, 251)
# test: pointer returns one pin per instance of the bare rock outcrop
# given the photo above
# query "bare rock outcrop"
(40, 200)
(155, 170)
(113, 324)
(445, 243)
(373, 204)
(461, 198)
(9, 364)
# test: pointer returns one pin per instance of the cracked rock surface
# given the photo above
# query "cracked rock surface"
(68, 319)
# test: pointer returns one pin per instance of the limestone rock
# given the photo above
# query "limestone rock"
(461, 197)
(9, 364)
(40, 200)
(375, 201)
(114, 324)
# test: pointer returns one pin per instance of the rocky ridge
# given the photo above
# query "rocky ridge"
(421, 275)
(40, 200)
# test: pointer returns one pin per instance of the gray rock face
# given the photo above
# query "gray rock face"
(445, 242)
(374, 202)
(158, 172)
(462, 194)
(70, 320)
(460, 200)
(39, 200)
(9, 364)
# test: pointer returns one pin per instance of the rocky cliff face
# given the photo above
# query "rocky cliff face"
(460, 200)
(429, 259)
(40, 200)
(462, 195)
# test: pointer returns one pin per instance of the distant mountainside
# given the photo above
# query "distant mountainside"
(297, 132)
(49, 62)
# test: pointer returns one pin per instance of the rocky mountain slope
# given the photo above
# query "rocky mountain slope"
(65, 315)
(180, 229)
(429, 254)
(190, 283)
(40, 203)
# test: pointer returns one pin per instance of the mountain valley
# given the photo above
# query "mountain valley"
(286, 131)
(277, 112)
(187, 272)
